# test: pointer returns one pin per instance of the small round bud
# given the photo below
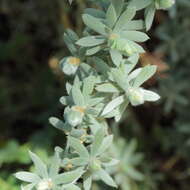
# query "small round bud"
(46, 184)
(69, 65)
(136, 96)
(75, 116)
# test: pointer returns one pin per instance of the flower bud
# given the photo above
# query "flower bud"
(69, 65)
(136, 96)
(95, 165)
(112, 40)
(75, 116)
(46, 184)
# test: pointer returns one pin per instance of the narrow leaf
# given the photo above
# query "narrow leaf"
(99, 136)
(40, 167)
(113, 104)
(94, 24)
(79, 148)
(146, 73)
(106, 178)
(27, 177)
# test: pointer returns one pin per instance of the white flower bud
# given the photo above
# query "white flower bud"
(75, 116)
(136, 96)
(69, 65)
(46, 184)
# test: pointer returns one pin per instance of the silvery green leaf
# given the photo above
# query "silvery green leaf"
(79, 148)
(149, 16)
(101, 66)
(77, 95)
(146, 73)
(106, 178)
(94, 24)
(140, 4)
(66, 100)
(134, 74)
(95, 12)
(77, 133)
(106, 143)
(79, 161)
(96, 100)
(113, 104)
(110, 162)
(98, 139)
(107, 87)
(134, 25)
(70, 44)
(131, 62)
(72, 35)
(111, 16)
(150, 96)
(88, 85)
(71, 187)
(118, 6)
(134, 174)
(70, 1)
(120, 110)
(119, 78)
(134, 47)
(134, 58)
(126, 16)
(40, 167)
(90, 41)
(27, 177)
(87, 182)
(116, 57)
(93, 50)
(68, 177)
(28, 187)
(57, 123)
(55, 164)
(135, 36)
(68, 87)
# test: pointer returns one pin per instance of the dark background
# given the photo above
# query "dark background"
(31, 44)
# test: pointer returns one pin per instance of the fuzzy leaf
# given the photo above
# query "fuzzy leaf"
(27, 177)
(40, 167)
(146, 73)
(113, 104)
(106, 143)
(111, 16)
(94, 24)
(107, 87)
(140, 4)
(98, 138)
(106, 178)
(150, 96)
(90, 41)
(135, 36)
(68, 177)
(77, 95)
(128, 15)
(79, 148)
(116, 57)
(149, 16)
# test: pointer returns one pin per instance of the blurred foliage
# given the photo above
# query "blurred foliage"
(30, 83)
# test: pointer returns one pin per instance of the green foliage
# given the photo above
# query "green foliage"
(104, 84)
